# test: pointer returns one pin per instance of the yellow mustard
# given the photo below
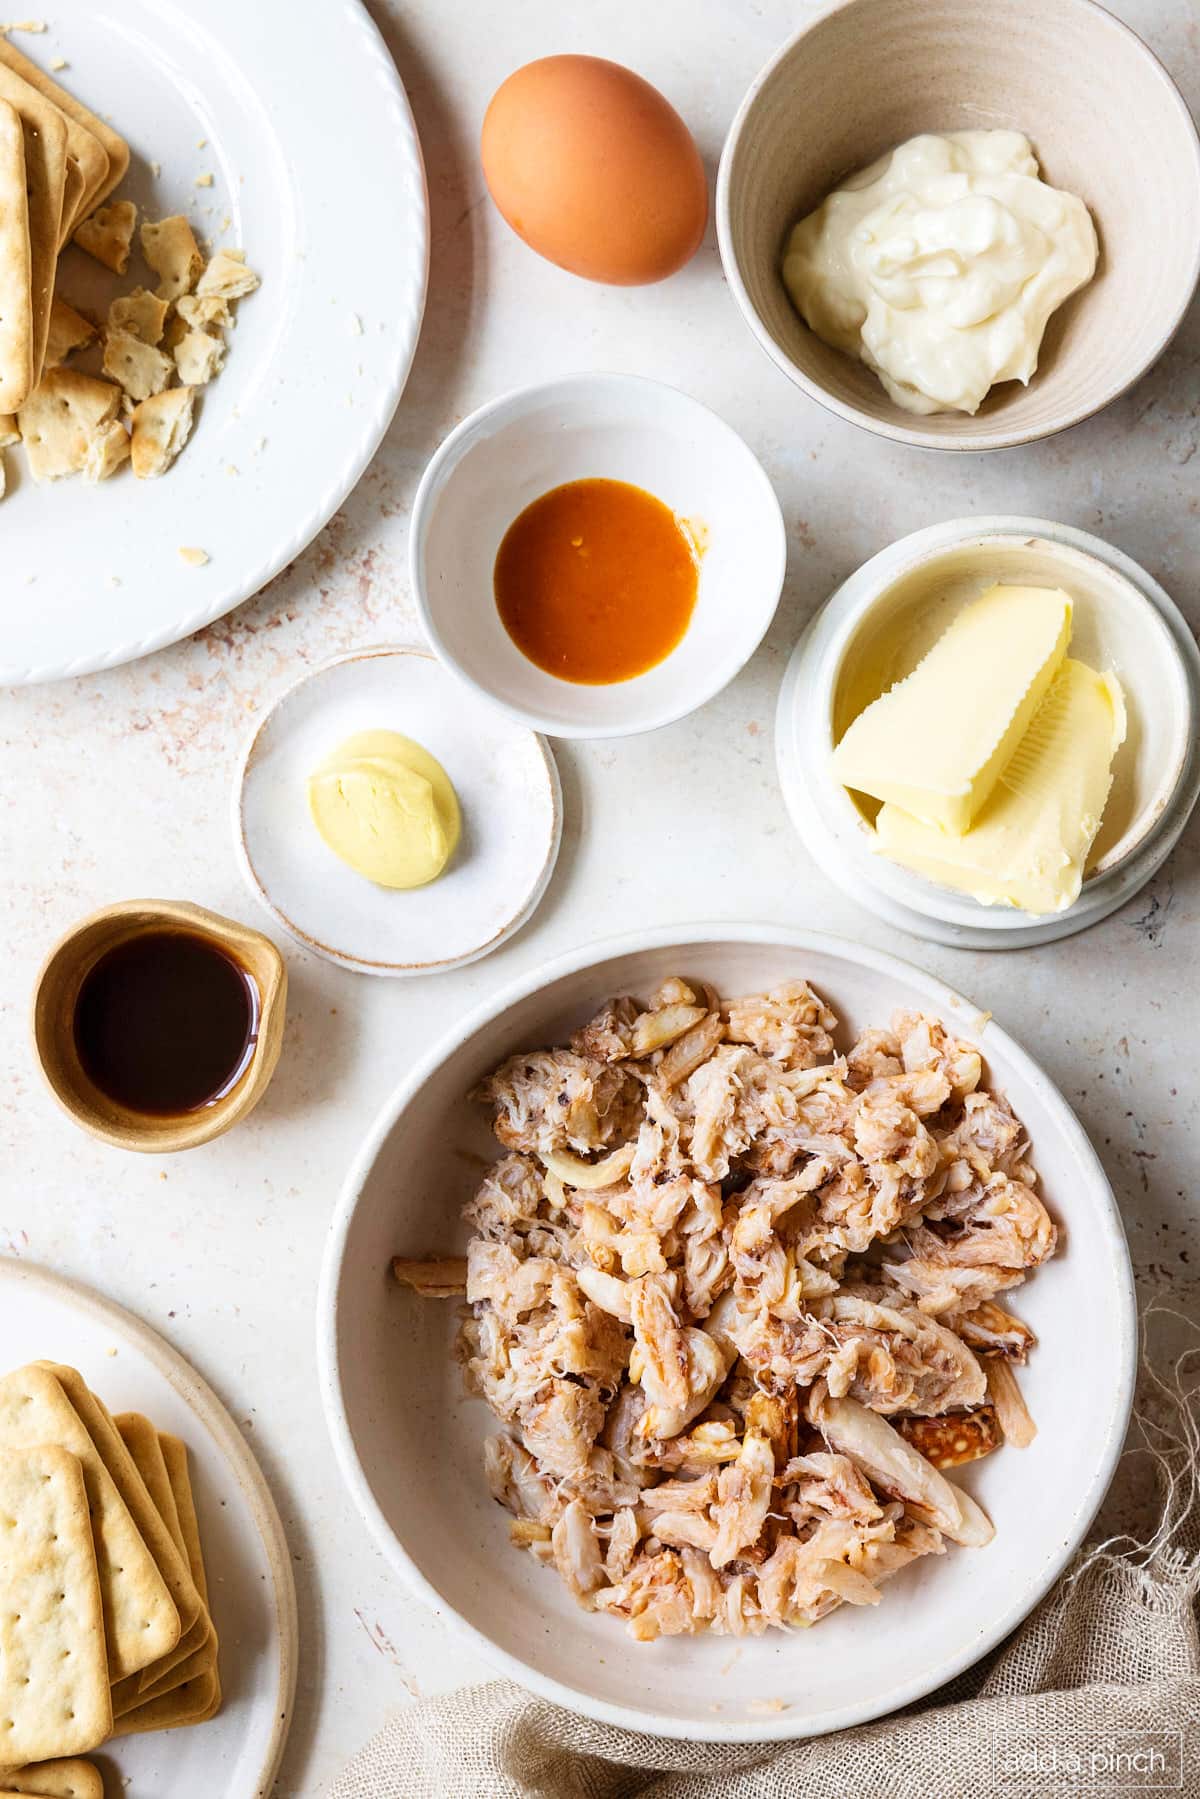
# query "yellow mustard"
(387, 808)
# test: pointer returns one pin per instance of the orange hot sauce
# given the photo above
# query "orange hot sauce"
(596, 581)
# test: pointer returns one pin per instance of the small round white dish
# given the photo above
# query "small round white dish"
(882, 620)
(409, 1441)
(618, 427)
(335, 221)
(251, 1591)
(507, 786)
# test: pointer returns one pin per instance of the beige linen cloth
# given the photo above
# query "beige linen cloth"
(1108, 1665)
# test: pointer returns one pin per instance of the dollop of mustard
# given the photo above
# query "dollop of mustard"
(387, 808)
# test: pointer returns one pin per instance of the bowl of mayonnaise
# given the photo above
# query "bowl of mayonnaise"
(965, 225)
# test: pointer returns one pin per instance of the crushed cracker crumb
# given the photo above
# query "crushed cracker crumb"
(193, 557)
(204, 181)
(356, 325)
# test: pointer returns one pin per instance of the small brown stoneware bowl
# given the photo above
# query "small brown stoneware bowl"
(57, 991)
(1105, 120)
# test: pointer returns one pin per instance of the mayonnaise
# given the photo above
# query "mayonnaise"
(940, 265)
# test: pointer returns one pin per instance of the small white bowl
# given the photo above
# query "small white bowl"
(409, 1441)
(508, 789)
(618, 427)
(877, 626)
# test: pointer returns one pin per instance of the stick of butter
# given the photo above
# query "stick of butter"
(1029, 846)
(937, 742)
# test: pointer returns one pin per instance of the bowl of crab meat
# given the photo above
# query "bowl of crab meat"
(728, 1282)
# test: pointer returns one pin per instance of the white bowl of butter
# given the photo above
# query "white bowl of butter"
(1129, 685)
(968, 250)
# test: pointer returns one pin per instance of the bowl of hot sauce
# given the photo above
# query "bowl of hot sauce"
(157, 1024)
(598, 555)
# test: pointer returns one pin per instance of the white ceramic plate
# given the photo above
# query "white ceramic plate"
(905, 595)
(409, 1442)
(314, 157)
(508, 790)
(618, 428)
(43, 1316)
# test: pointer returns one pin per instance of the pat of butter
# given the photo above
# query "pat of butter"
(1029, 846)
(386, 806)
(937, 742)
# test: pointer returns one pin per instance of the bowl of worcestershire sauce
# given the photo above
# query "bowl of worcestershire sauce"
(157, 1024)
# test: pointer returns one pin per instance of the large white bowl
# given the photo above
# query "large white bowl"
(620, 428)
(408, 1441)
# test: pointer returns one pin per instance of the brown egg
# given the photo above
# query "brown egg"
(594, 170)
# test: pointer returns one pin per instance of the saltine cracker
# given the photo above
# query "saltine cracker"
(54, 1695)
(69, 331)
(16, 298)
(45, 133)
(198, 1698)
(193, 1654)
(176, 1458)
(140, 1620)
(171, 1563)
(55, 1780)
(73, 185)
(103, 172)
(61, 420)
(203, 1661)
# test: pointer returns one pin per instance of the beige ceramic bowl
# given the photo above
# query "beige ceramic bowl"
(1105, 120)
(57, 990)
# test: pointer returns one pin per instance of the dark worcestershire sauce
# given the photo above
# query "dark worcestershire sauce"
(166, 1022)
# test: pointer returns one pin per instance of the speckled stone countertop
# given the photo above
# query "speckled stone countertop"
(220, 1249)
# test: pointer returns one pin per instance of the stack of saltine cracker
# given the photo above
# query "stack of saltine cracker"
(104, 1620)
(58, 162)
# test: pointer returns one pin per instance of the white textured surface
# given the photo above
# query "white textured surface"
(119, 784)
